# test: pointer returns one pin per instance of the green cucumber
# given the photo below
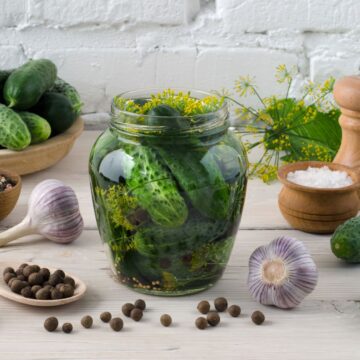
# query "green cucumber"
(25, 86)
(64, 88)
(57, 110)
(4, 74)
(39, 128)
(165, 115)
(14, 134)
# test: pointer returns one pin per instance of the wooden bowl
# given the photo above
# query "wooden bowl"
(41, 156)
(317, 210)
(9, 198)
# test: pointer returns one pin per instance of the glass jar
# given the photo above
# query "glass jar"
(168, 199)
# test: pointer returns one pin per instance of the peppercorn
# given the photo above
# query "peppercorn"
(58, 286)
(30, 269)
(213, 318)
(45, 273)
(69, 280)
(21, 277)
(203, 307)
(56, 294)
(234, 310)
(51, 324)
(221, 304)
(140, 304)
(35, 289)
(258, 317)
(43, 294)
(26, 292)
(35, 279)
(8, 276)
(67, 328)
(60, 273)
(105, 316)
(11, 281)
(126, 309)
(48, 287)
(136, 314)
(19, 271)
(87, 321)
(201, 323)
(55, 279)
(18, 285)
(165, 320)
(67, 290)
(116, 324)
(8, 269)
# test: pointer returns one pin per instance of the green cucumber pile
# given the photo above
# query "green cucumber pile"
(35, 104)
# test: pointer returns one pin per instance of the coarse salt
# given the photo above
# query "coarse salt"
(321, 177)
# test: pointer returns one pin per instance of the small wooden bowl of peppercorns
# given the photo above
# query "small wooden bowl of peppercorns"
(31, 284)
(10, 187)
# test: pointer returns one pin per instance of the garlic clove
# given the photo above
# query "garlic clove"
(281, 273)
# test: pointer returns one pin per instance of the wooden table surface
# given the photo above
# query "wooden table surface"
(325, 326)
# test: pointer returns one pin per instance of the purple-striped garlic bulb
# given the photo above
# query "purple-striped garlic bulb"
(53, 212)
(281, 273)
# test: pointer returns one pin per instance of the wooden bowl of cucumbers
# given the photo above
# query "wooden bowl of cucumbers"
(39, 117)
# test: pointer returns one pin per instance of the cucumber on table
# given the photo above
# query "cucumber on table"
(39, 128)
(57, 110)
(14, 134)
(25, 86)
(64, 88)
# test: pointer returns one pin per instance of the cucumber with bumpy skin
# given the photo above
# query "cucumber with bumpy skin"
(39, 128)
(64, 88)
(14, 134)
(25, 86)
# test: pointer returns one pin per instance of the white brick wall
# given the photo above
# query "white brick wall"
(105, 47)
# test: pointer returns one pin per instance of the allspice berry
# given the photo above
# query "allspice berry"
(29, 270)
(140, 304)
(56, 294)
(26, 292)
(43, 294)
(18, 285)
(8, 276)
(67, 328)
(67, 290)
(203, 307)
(136, 314)
(45, 273)
(60, 274)
(126, 309)
(11, 281)
(201, 323)
(116, 324)
(70, 281)
(213, 318)
(8, 270)
(165, 320)
(221, 304)
(55, 279)
(87, 321)
(105, 316)
(35, 289)
(234, 310)
(21, 278)
(51, 324)
(35, 279)
(258, 317)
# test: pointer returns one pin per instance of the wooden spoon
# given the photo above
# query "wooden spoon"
(5, 291)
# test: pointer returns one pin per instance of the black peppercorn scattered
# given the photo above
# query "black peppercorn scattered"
(69, 280)
(234, 310)
(221, 304)
(43, 294)
(201, 323)
(8, 276)
(51, 324)
(213, 318)
(60, 274)
(105, 316)
(116, 324)
(56, 294)
(35, 279)
(136, 314)
(87, 321)
(45, 273)
(26, 292)
(67, 328)
(8, 270)
(35, 289)
(140, 304)
(203, 307)
(166, 320)
(126, 309)
(258, 317)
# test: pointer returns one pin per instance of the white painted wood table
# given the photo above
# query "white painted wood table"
(325, 326)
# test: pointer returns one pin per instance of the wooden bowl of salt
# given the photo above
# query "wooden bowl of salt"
(317, 196)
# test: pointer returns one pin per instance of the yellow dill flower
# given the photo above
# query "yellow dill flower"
(244, 86)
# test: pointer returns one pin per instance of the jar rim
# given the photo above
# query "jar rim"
(138, 122)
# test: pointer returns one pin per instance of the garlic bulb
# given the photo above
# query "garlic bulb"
(281, 273)
(53, 212)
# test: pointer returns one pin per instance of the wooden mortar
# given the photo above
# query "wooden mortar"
(9, 198)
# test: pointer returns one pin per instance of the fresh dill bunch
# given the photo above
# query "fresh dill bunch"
(288, 129)
(183, 102)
